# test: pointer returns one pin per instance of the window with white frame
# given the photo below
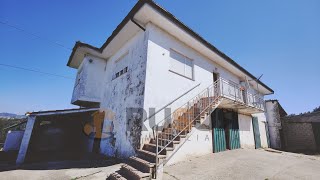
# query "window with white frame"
(181, 64)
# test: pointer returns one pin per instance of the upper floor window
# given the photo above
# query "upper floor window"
(181, 64)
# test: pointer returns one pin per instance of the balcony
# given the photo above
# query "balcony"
(238, 98)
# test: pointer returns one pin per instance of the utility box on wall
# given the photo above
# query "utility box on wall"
(89, 82)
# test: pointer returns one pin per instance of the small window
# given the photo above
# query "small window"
(181, 64)
(118, 74)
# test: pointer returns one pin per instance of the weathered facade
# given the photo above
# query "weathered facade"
(138, 69)
(157, 81)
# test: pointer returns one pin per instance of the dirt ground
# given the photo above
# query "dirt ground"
(246, 164)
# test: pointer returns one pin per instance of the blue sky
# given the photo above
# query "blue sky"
(280, 39)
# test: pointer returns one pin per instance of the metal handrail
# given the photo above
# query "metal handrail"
(189, 112)
(251, 100)
(171, 102)
(202, 98)
(179, 108)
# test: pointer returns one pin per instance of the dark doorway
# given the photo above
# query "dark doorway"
(225, 130)
(218, 131)
(215, 76)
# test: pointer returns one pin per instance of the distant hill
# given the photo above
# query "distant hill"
(6, 115)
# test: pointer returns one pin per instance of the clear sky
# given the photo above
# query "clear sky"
(280, 39)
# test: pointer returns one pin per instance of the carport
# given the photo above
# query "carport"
(59, 135)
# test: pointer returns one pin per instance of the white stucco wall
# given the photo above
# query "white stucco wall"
(149, 84)
(246, 131)
(162, 85)
(199, 143)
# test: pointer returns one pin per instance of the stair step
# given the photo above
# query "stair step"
(164, 142)
(115, 176)
(141, 164)
(149, 156)
(130, 172)
(170, 136)
(172, 131)
(152, 147)
(142, 161)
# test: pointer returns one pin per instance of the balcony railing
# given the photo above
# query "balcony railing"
(235, 92)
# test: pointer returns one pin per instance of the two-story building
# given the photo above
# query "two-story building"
(166, 93)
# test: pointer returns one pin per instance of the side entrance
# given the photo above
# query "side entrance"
(256, 132)
(225, 130)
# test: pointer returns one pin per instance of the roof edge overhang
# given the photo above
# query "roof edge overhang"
(61, 112)
(130, 15)
(173, 19)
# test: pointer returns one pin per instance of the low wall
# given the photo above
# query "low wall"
(198, 143)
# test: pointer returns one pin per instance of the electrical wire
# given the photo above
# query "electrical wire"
(35, 35)
(36, 71)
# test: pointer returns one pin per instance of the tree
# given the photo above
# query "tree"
(317, 109)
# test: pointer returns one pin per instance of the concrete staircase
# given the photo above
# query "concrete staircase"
(142, 166)
(149, 158)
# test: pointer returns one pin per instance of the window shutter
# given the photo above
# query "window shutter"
(181, 64)
(177, 63)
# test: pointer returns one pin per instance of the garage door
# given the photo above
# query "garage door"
(234, 140)
(219, 141)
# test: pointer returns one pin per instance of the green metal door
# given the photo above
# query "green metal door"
(234, 140)
(219, 141)
(256, 132)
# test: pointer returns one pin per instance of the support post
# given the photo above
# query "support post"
(25, 140)
(157, 146)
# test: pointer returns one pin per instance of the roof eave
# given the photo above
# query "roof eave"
(168, 15)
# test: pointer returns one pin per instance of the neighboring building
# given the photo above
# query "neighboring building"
(274, 113)
(295, 133)
(152, 63)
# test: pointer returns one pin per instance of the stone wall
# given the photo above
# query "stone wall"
(299, 132)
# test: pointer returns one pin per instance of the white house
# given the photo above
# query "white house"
(166, 92)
